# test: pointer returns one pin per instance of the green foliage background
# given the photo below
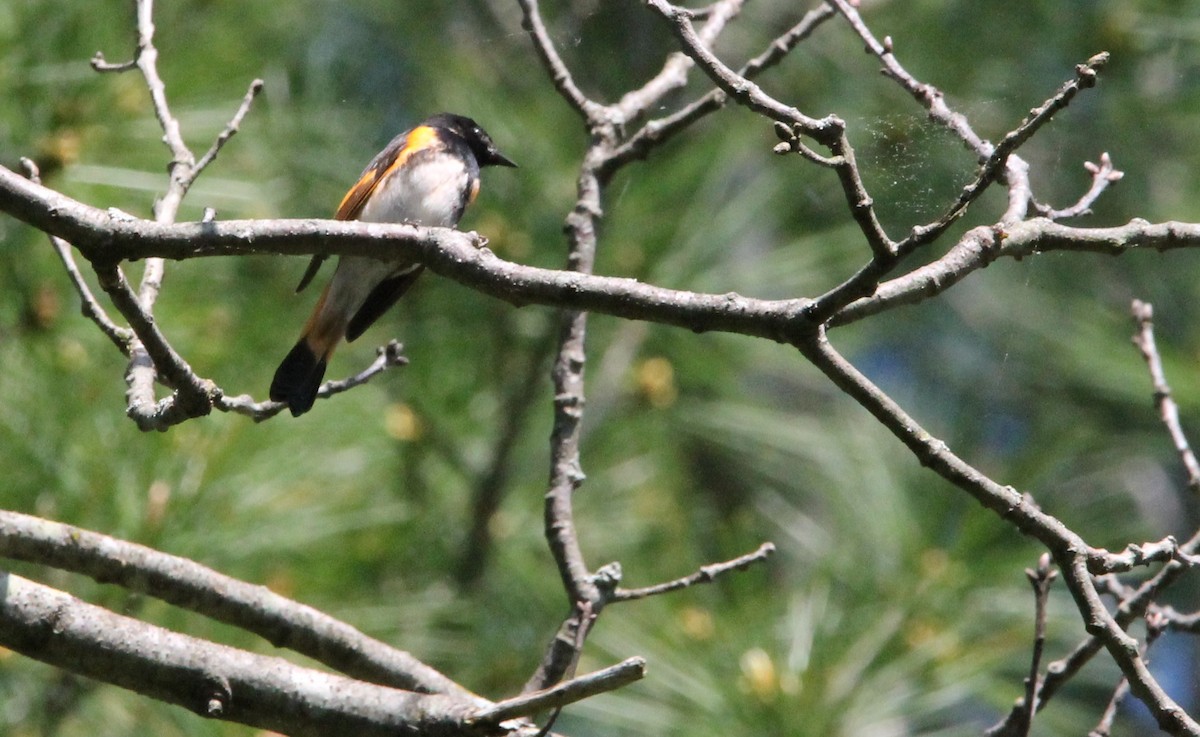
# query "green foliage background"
(895, 606)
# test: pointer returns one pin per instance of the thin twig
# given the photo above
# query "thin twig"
(982, 245)
(1111, 585)
(1175, 620)
(1085, 77)
(706, 574)
(592, 111)
(673, 75)
(585, 619)
(562, 655)
(1041, 580)
(150, 355)
(994, 160)
(1135, 603)
(153, 358)
(864, 289)
(1103, 174)
(994, 164)
(928, 95)
(102, 65)
(146, 58)
(90, 308)
(829, 131)
(231, 128)
(387, 357)
(566, 472)
(1100, 561)
(562, 694)
(1104, 727)
(567, 376)
(1143, 316)
(605, 125)
(735, 85)
(658, 131)
(1125, 651)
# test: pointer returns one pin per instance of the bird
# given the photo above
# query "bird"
(427, 175)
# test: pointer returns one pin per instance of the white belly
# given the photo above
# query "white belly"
(425, 193)
(431, 192)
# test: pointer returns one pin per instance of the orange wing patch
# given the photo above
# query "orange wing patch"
(418, 138)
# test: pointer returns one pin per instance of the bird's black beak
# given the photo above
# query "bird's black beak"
(495, 158)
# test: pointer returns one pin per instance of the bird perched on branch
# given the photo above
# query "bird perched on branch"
(425, 176)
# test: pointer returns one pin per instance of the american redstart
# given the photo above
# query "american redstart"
(426, 176)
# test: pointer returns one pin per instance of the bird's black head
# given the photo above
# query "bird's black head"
(476, 138)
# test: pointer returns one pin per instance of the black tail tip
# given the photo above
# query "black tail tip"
(298, 379)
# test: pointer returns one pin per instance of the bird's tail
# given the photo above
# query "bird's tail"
(298, 378)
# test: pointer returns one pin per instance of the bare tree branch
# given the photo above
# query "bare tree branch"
(102, 237)
(566, 471)
(1067, 548)
(1155, 626)
(387, 356)
(1128, 610)
(1132, 602)
(213, 680)
(929, 96)
(153, 359)
(606, 128)
(1041, 580)
(983, 245)
(192, 586)
(866, 281)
